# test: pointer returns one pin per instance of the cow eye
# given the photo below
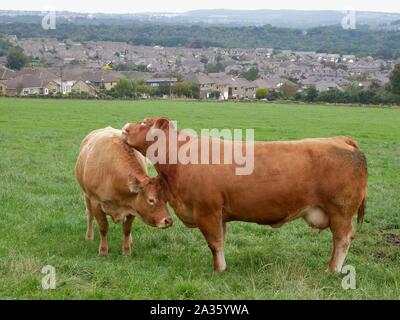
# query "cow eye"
(152, 201)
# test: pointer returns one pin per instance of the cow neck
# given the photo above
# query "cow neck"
(168, 171)
(133, 162)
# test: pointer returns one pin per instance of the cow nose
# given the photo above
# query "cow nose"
(168, 222)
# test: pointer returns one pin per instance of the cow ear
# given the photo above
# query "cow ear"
(162, 123)
(134, 184)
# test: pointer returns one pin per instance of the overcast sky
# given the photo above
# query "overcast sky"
(120, 6)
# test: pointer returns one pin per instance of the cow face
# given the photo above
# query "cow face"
(150, 201)
(134, 134)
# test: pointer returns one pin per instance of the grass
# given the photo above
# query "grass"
(42, 220)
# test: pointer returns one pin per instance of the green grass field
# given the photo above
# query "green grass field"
(42, 219)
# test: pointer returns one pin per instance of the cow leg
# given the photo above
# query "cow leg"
(101, 219)
(343, 233)
(89, 231)
(127, 243)
(213, 229)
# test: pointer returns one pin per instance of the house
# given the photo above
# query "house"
(240, 88)
(205, 83)
(333, 57)
(81, 86)
(221, 84)
(322, 86)
(3, 88)
(31, 84)
(137, 75)
(350, 58)
(228, 86)
(159, 82)
(6, 74)
(272, 84)
(72, 81)
(102, 80)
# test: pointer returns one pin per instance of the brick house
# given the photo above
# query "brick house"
(81, 86)
(32, 84)
(102, 80)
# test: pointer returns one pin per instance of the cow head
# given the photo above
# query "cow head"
(150, 201)
(134, 134)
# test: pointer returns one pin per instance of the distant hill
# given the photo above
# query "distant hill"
(288, 18)
(332, 39)
(279, 18)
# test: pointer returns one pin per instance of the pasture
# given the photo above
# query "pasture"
(43, 222)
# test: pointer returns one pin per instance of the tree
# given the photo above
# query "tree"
(16, 59)
(125, 87)
(20, 87)
(215, 68)
(107, 67)
(395, 80)
(142, 88)
(215, 95)
(251, 74)
(328, 39)
(332, 96)
(366, 96)
(298, 96)
(261, 93)
(4, 47)
(288, 90)
(311, 94)
(141, 68)
(185, 89)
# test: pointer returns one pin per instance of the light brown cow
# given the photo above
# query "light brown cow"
(323, 181)
(115, 182)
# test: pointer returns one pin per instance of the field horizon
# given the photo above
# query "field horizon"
(43, 220)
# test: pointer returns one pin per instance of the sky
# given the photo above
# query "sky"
(126, 6)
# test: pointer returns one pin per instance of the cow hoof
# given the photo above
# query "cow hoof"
(89, 237)
(103, 252)
(332, 270)
(126, 252)
(219, 269)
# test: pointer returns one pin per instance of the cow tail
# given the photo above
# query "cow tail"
(361, 212)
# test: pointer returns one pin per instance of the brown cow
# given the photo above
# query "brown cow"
(323, 181)
(115, 182)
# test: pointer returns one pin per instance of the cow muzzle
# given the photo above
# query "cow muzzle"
(165, 223)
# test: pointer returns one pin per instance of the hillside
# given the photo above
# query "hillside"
(333, 39)
(300, 19)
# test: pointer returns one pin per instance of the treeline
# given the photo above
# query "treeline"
(331, 39)
(5, 46)
(369, 96)
(388, 95)
(349, 96)
(130, 89)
